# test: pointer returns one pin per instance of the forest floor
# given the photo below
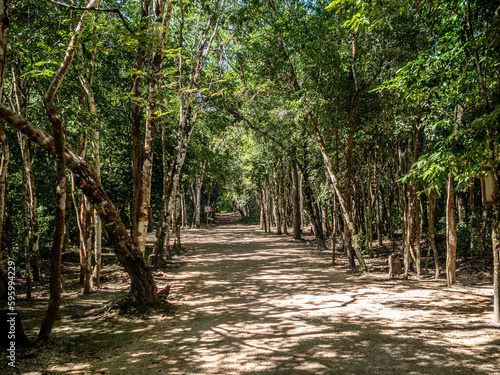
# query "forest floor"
(247, 302)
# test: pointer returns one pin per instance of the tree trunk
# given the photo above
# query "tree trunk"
(348, 230)
(296, 220)
(308, 205)
(474, 221)
(346, 213)
(482, 231)
(495, 235)
(136, 122)
(432, 242)
(4, 167)
(197, 196)
(59, 219)
(87, 237)
(143, 288)
(371, 204)
(159, 34)
(26, 226)
(334, 228)
(35, 227)
(451, 233)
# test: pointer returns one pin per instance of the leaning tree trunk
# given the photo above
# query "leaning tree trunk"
(348, 222)
(143, 288)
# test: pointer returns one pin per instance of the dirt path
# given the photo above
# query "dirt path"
(260, 304)
(251, 303)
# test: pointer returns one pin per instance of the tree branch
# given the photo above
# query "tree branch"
(94, 9)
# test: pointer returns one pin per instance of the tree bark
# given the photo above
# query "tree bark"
(143, 288)
(4, 167)
(345, 212)
(474, 221)
(26, 226)
(295, 201)
(451, 233)
(136, 105)
(432, 242)
(495, 235)
(349, 231)
(308, 205)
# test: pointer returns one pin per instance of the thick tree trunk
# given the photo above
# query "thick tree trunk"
(143, 288)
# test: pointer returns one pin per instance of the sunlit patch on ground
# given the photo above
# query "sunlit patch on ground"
(251, 303)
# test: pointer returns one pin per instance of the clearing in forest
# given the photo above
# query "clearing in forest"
(246, 302)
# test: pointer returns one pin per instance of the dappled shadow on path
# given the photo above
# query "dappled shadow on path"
(259, 304)
(254, 303)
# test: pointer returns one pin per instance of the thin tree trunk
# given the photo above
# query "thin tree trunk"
(346, 213)
(474, 221)
(4, 162)
(431, 219)
(482, 231)
(60, 213)
(95, 137)
(308, 204)
(197, 196)
(495, 236)
(334, 228)
(296, 216)
(26, 226)
(159, 34)
(136, 121)
(451, 233)
(348, 230)
(35, 227)
(4, 167)
(371, 203)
